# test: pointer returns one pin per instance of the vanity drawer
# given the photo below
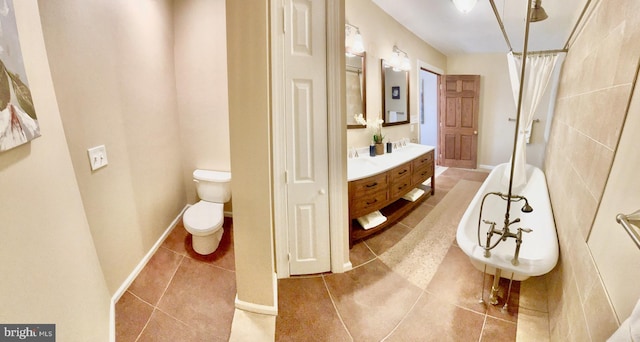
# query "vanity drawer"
(366, 186)
(362, 205)
(422, 173)
(401, 171)
(423, 160)
(400, 187)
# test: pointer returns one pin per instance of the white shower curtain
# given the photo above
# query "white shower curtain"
(538, 71)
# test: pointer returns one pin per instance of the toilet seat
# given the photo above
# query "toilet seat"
(203, 218)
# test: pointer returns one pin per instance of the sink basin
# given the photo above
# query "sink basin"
(361, 167)
(361, 162)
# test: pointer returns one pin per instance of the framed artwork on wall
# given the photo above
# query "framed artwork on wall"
(18, 121)
(395, 92)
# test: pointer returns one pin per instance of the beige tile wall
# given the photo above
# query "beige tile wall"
(593, 97)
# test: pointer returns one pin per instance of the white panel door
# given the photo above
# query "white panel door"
(306, 137)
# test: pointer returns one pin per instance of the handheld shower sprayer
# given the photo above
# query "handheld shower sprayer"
(526, 208)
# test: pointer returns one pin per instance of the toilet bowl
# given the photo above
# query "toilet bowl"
(204, 219)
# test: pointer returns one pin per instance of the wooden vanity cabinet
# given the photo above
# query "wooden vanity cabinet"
(370, 193)
(384, 192)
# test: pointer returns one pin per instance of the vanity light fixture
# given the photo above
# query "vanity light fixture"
(353, 40)
(399, 60)
(464, 6)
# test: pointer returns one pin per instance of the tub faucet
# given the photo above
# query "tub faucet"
(518, 237)
(505, 232)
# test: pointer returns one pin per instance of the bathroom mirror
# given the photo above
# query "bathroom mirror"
(395, 95)
(356, 89)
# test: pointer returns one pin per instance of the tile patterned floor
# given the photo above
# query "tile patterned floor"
(373, 303)
(181, 296)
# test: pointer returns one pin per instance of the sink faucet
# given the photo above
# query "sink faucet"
(353, 152)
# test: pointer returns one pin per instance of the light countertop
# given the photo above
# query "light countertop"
(365, 166)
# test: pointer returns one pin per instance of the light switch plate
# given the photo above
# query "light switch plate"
(98, 157)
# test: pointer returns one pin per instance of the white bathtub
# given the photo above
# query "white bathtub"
(539, 248)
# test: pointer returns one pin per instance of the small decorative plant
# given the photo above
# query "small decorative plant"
(375, 125)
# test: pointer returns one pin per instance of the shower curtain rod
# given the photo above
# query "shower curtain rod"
(504, 33)
(543, 52)
(575, 27)
(506, 37)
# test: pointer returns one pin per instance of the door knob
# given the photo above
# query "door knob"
(475, 132)
(322, 191)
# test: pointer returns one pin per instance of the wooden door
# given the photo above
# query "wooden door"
(459, 110)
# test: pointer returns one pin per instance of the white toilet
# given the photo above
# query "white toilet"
(204, 219)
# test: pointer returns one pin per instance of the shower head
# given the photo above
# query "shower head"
(537, 12)
(526, 208)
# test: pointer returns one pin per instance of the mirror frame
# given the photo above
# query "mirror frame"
(384, 96)
(363, 55)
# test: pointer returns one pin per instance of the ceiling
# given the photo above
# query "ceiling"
(441, 25)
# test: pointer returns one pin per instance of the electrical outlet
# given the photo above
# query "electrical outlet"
(97, 157)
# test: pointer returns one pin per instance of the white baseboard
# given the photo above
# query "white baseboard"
(112, 321)
(259, 308)
(127, 282)
(486, 167)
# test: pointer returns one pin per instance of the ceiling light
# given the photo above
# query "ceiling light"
(464, 6)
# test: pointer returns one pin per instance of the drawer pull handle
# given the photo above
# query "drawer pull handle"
(372, 202)
(402, 187)
(371, 185)
(402, 172)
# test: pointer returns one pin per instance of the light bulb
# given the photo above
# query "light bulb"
(464, 6)
(358, 45)
(406, 63)
(395, 61)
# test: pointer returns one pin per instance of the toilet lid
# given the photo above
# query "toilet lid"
(203, 217)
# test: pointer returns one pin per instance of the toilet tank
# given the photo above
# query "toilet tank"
(213, 186)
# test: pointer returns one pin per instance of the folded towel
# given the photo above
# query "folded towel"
(413, 195)
(371, 220)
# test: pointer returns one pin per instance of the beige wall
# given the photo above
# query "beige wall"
(380, 32)
(593, 96)
(114, 79)
(495, 132)
(250, 134)
(50, 269)
(201, 86)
